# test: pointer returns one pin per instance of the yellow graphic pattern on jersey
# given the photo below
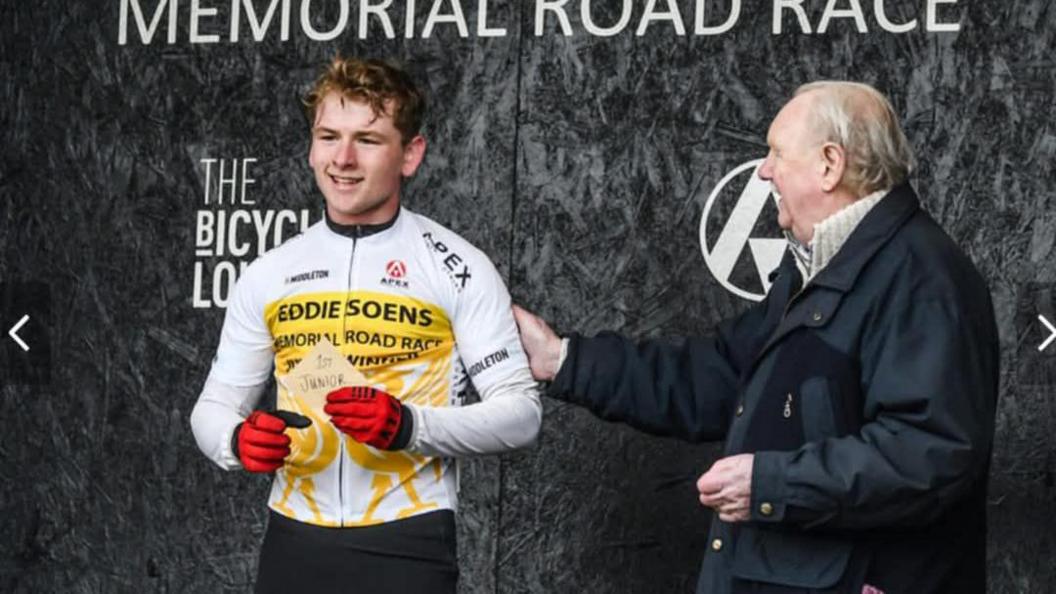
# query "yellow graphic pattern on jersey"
(402, 346)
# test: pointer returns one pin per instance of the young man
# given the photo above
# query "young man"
(363, 498)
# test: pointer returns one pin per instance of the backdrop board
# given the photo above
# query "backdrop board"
(597, 151)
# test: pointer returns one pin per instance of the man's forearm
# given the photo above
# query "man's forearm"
(220, 408)
(507, 418)
(866, 481)
(682, 390)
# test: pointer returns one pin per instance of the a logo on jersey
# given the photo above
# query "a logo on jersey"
(395, 270)
(307, 276)
(740, 213)
(455, 267)
(486, 362)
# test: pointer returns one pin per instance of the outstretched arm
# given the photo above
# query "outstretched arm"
(683, 389)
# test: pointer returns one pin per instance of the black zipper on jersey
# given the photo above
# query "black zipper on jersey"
(344, 332)
(348, 289)
(355, 233)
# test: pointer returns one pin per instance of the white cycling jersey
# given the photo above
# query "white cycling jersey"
(419, 311)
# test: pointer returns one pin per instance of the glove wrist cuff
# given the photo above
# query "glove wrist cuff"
(234, 441)
(404, 431)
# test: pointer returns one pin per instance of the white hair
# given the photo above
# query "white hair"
(861, 120)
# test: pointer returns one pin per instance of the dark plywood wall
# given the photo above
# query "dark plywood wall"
(580, 163)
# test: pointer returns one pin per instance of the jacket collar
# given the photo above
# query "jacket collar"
(868, 237)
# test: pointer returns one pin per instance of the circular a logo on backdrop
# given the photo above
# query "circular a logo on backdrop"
(396, 269)
(737, 252)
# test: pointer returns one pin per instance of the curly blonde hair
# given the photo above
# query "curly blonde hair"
(376, 83)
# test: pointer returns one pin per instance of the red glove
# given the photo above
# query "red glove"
(370, 416)
(259, 442)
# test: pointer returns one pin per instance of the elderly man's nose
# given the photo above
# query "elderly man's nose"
(766, 169)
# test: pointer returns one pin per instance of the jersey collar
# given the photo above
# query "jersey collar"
(360, 231)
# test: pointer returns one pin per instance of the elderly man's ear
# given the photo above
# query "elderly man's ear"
(834, 161)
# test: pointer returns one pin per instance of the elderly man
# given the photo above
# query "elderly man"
(856, 401)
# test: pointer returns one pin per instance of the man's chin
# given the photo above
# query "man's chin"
(358, 214)
(788, 231)
(784, 223)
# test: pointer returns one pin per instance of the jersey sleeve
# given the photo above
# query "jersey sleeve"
(238, 376)
(485, 331)
(509, 414)
(244, 356)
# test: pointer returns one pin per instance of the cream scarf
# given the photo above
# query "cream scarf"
(830, 235)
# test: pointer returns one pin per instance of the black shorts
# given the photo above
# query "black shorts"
(414, 555)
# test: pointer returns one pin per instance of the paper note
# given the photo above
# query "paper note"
(323, 370)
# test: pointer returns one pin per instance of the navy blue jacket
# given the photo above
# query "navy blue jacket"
(867, 397)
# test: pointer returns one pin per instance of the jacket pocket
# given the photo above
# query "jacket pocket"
(788, 558)
(817, 406)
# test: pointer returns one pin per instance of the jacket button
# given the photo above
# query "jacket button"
(716, 545)
(766, 509)
(740, 409)
(817, 316)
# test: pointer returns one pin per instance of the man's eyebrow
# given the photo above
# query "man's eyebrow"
(371, 134)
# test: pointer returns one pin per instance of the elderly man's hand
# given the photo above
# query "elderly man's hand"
(541, 344)
(727, 487)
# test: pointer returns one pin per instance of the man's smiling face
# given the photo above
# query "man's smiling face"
(359, 158)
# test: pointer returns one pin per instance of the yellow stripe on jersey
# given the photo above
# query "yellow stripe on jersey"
(375, 331)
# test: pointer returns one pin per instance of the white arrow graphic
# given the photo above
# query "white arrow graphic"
(1052, 333)
(13, 333)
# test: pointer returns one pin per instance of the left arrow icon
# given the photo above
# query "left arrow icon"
(13, 333)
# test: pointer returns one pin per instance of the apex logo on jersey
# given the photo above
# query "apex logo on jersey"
(395, 270)
(456, 267)
(739, 235)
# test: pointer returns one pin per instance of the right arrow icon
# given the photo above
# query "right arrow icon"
(1052, 333)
